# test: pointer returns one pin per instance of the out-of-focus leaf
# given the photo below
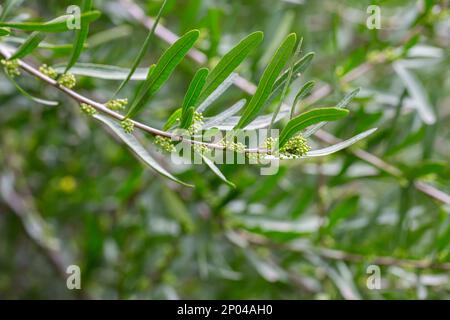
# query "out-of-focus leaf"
(163, 69)
(267, 81)
(177, 209)
(143, 49)
(59, 24)
(307, 119)
(229, 63)
(29, 45)
(342, 210)
(4, 32)
(131, 141)
(417, 92)
(9, 4)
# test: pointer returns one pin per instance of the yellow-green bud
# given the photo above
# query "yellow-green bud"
(296, 146)
(11, 67)
(88, 109)
(116, 104)
(48, 71)
(127, 125)
(67, 80)
(165, 144)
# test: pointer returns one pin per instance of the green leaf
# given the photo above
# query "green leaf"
(228, 82)
(144, 48)
(230, 62)
(56, 25)
(342, 104)
(195, 87)
(106, 72)
(217, 171)
(29, 45)
(187, 118)
(302, 93)
(29, 96)
(216, 120)
(341, 145)
(131, 141)
(309, 118)
(172, 119)
(4, 32)
(164, 68)
(267, 81)
(417, 92)
(80, 37)
(299, 67)
(8, 6)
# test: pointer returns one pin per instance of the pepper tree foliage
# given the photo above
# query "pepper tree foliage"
(224, 228)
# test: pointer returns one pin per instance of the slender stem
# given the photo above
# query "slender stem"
(102, 108)
(321, 92)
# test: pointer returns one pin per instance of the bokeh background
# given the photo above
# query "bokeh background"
(70, 193)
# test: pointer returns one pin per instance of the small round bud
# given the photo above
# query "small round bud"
(48, 71)
(127, 125)
(116, 104)
(11, 67)
(67, 80)
(87, 109)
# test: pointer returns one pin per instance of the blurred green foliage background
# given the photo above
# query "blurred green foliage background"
(70, 193)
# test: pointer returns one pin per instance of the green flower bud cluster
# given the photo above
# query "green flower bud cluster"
(116, 104)
(11, 67)
(197, 123)
(127, 125)
(295, 147)
(165, 144)
(200, 148)
(87, 109)
(67, 80)
(269, 144)
(48, 71)
(233, 146)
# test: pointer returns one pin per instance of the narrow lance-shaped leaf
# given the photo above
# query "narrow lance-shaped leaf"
(230, 62)
(131, 141)
(143, 49)
(60, 24)
(187, 119)
(342, 104)
(267, 81)
(102, 71)
(309, 118)
(303, 92)
(80, 36)
(172, 119)
(164, 68)
(29, 45)
(299, 68)
(287, 84)
(29, 96)
(341, 145)
(195, 87)
(217, 171)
